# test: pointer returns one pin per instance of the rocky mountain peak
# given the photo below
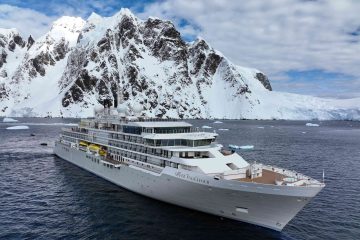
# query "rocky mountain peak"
(69, 24)
(124, 12)
(10, 38)
(30, 42)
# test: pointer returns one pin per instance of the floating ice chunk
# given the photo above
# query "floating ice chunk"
(17, 128)
(223, 129)
(312, 125)
(9, 120)
(233, 146)
(218, 122)
(244, 147)
(51, 124)
(247, 147)
(260, 127)
(208, 127)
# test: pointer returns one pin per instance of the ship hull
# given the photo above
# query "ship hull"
(266, 206)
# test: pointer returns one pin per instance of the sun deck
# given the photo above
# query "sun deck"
(268, 177)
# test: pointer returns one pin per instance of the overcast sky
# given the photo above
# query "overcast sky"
(304, 46)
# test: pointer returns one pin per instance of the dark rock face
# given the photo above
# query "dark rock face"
(40, 61)
(19, 41)
(3, 56)
(16, 40)
(3, 92)
(30, 42)
(60, 50)
(264, 80)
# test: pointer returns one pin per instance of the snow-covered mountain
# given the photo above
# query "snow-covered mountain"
(79, 64)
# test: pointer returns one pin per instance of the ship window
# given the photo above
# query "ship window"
(232, 166)
(132, 129)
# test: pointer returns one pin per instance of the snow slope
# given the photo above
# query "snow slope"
(79, 64)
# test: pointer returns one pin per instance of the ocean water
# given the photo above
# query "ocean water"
(44, 197)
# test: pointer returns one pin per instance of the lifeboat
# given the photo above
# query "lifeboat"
(94, 148)
(102, 152)
(83, 144)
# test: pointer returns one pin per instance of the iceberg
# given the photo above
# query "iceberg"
(312, 125)
(247, 147)
(218, 122)
(9, 120)
(244, 147)
(17, 128)
(206, 127)
(233, 146)
(223, 129)
(260, 127)
(52, 124)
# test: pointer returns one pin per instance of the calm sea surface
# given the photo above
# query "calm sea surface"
(44, 197)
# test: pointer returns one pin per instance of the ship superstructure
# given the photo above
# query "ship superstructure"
(172, 161)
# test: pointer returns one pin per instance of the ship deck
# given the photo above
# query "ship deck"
(268, 177)
(111, 162)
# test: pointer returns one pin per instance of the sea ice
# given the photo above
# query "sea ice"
(9, 120)
(234, 146)
(17, 128)
(218, 122)
(52, 124)
(260, 127)
(312, 125)
(206, 126)
(247, 147)
(223, 129)
(241, 147)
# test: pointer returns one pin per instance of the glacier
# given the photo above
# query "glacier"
(81, 63)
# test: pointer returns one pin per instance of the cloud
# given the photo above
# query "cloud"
(275, 36)
(35, 17)
(26, 21)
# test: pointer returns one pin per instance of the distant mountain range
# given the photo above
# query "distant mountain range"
(78, 64)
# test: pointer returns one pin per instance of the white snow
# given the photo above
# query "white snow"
(9, 120)
(17, 128)
(312, 125)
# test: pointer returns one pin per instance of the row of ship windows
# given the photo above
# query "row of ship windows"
(127, 138)
(178, 142)
(132, 147)
(93, 159)
(142, 158)
(141, 149)
(151, 142)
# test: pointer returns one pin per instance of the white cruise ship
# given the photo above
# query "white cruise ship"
(173, 162)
